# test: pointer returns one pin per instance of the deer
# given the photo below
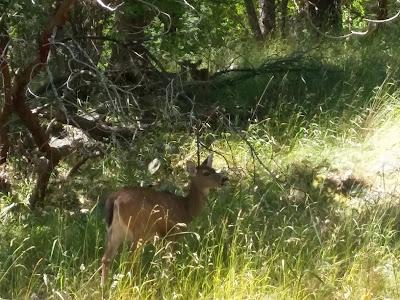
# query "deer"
(139, 214)
(194, 71)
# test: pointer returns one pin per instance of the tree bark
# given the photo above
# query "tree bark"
(7, 105)
(253, 20)
(326, 14)
(15, 102)
(6, 110)
(382, 10)
(284, 10)
(22, 79)
(44, 168)
(267, 17)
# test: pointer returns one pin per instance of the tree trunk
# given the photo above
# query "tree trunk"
(5, 112)
(326, 14)
(382, 10)
(15, 101)
(44, 168)
(253, 20)
(284, 10)
(7, 105)
(267, 17)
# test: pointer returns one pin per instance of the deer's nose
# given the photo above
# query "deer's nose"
(224, 180)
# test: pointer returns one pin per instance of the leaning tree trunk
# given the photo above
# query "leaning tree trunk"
(16, 102)
(267, 17)
(253, 20)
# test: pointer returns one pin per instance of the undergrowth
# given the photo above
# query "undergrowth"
(311, 211)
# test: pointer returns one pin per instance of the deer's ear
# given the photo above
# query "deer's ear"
(208, 161)
(191, 168)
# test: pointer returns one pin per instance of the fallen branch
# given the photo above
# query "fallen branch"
(95, 128)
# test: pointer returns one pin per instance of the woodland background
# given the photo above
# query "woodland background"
(298, 100)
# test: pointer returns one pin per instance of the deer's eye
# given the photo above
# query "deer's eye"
(206, 173)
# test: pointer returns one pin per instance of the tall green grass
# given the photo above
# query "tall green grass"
(284, 252)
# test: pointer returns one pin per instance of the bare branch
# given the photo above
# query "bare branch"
(385, 20)
(103, 5)
(188, 4)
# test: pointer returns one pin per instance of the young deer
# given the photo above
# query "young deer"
(193, 69)
(138, 214)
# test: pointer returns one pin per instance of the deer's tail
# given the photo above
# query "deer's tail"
(109, 209)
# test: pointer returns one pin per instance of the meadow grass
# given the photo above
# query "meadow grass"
(286, 227)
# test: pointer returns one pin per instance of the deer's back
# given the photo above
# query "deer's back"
(145, 209)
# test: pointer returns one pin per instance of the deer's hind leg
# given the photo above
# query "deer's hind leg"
(116, 234)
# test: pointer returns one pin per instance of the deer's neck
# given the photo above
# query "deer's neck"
(196, 200)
